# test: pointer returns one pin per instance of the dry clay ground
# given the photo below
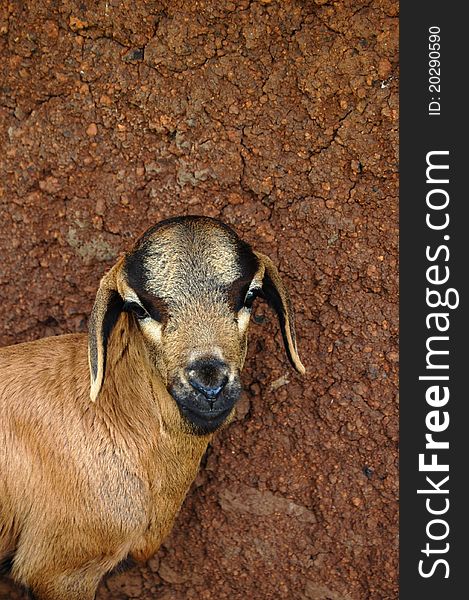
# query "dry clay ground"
(281, 119)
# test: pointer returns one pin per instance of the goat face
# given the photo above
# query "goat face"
(189, 283)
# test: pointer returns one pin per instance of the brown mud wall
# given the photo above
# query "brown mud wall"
(280, 118)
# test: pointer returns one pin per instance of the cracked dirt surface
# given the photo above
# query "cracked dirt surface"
(280, 118)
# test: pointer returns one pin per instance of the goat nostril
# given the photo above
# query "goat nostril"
(211, 392)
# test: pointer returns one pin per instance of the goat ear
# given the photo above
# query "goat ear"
(107, 307)
(276, 294)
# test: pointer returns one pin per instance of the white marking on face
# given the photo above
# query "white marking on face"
(151, 329)
(243, 319)
(256, 283)
(213, 352)
(132, 297)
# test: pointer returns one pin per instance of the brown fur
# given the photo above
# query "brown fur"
(85, 484)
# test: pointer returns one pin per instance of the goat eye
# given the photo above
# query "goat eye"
(250, 297)
(138, 310)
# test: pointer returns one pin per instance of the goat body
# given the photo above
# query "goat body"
(128, 464)
(102, 435)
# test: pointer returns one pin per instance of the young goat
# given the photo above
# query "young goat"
(102, 435)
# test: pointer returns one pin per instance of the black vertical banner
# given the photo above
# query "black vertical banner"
(434, 323)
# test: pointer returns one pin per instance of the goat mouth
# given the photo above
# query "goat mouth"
(204, 415)
(201, 415)
(207, 415)
(203, 422)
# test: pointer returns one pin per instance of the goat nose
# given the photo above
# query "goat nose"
(208, 377)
